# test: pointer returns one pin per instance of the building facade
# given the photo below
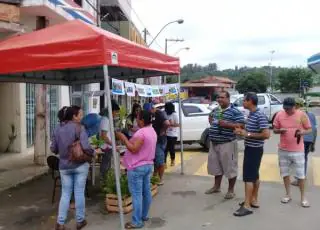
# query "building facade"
(208, 86)
(17, 117)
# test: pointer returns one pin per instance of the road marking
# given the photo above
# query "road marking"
(269, 168)
(202, 171)
(186, 156)
(315, 170)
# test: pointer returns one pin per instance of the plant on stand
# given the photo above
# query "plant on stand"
(109, 188)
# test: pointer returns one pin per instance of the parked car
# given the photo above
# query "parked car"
(268, 103)
(192, 100)
(194, 121)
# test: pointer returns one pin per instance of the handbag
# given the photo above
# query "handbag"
(76, 152)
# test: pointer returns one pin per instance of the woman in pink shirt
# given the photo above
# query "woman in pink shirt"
(138, 160)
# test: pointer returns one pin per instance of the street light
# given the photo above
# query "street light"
(271, 52)
(185, 48)
(171, 40)
(166, 52)
(179, 21)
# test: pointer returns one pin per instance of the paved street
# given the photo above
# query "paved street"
(196, 162)
(181, 202)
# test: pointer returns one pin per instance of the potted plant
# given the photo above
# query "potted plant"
(109, 188)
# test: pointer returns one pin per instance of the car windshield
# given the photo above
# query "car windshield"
(233, 98)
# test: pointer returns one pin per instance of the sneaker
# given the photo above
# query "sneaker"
(173, 163)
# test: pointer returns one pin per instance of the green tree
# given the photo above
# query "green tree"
(291, 80)
(253, 82)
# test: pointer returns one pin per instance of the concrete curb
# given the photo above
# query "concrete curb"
(42, 172)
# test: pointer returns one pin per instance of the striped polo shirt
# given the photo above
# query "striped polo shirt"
(221, 135)
(256, 122)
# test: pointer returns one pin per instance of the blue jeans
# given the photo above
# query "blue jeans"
(161, 146)
(140, 189)
(73, 180)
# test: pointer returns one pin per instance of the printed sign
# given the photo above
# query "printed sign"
(117, 87)
(172, 89)
(130, 89)
(149, 90)
(156, 91)
(141, 89)
(114, 58)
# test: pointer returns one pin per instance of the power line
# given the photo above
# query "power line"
(138, 17)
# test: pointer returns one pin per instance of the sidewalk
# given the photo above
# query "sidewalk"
(182, 205)
(18, 168)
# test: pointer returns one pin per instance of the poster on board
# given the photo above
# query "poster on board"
(141, 89)
(156, 91)
(130, 89)
(117, 87)
(149, 90)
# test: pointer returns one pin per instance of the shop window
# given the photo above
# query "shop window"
(53, 93)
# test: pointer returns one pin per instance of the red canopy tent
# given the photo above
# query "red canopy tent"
(74, 52)
(79, 53)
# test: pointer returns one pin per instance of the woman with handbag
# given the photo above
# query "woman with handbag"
(70, 141)
(138, 160)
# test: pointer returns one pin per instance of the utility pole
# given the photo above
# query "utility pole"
(145, 33)
(272, 52)
(166, 52)
(41, 134)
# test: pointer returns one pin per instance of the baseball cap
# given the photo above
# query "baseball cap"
(289, 103)
(300, 102)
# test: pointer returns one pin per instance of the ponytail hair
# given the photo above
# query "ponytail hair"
(62, 114)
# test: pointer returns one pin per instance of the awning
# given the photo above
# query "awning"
(74, 52)
(314, 62)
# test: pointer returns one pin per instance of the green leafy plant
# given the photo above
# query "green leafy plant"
(123, 115)
(96, 141)
(109, 184)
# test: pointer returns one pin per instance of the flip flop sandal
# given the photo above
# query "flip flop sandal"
(131, 226)
(242, 211)
(305, 204)
(229, 196)
(213, 190)
(286, 200)
(252, 205)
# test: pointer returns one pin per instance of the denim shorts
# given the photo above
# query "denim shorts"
(159, 159)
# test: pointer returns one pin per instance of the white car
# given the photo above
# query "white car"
(194, 121)
(267, 103)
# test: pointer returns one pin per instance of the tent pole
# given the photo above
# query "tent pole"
(70, 95)
(107, 103)
(180, 127)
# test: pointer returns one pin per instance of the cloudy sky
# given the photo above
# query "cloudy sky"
(234, 32)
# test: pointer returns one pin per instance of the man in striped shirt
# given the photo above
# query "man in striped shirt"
(255, 132)
(223, 152)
